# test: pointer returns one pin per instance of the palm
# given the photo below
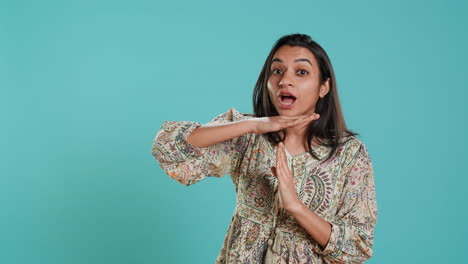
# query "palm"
(275, 123)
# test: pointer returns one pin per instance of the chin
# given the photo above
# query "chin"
(288, 112)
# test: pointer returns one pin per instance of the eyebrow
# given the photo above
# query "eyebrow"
(301, 59)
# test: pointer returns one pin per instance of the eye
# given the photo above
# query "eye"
(276, 71)
(302, 72)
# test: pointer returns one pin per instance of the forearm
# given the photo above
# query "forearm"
(207, 135)
(317, 227)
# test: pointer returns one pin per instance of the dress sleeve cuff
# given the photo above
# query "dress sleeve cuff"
(184, 129)
(335, 242)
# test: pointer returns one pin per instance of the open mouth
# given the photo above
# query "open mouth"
(287, 100)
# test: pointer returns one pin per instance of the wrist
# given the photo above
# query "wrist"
(250, 126)
(296, 208)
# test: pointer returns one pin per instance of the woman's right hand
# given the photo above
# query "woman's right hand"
(262, 125)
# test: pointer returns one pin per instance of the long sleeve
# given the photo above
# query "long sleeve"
(188, 164)
(352, 232)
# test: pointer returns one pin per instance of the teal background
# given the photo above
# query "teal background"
(87, 84)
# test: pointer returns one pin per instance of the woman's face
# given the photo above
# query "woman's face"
(294, 85)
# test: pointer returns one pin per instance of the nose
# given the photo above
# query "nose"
(285, 80)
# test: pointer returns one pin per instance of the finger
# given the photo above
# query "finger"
(314, 116)
(290, 117)
(278, 156)
(282, 157)
(300, 117)
(307, 115)
(278, 172)
(290, 120)
(283, 169)
(296, 122)
(306, 119)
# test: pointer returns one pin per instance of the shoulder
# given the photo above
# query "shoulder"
(351, 141)
(352, 148)
(231, 115)
(236, 115)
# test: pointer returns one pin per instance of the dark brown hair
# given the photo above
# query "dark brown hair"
(330, 129)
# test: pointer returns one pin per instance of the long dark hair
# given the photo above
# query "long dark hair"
(330, 129)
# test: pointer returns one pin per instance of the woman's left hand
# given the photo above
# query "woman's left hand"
(286, 187)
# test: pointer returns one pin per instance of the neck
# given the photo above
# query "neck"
(296, 133)
(296, 137)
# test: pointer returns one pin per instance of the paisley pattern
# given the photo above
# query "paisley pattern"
(340, 190)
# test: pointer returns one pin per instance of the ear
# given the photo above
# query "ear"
(324, 88)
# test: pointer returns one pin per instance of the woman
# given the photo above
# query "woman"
(304, 182)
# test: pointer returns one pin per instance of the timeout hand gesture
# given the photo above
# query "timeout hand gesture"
(286, 187)
(264, 125)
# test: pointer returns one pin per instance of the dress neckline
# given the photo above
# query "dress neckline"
(298, 155)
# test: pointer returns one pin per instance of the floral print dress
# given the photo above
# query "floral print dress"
(340, 190)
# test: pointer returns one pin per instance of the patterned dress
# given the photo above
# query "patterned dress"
(340, 190)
